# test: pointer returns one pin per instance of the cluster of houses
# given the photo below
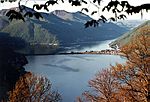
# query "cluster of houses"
(107, 51)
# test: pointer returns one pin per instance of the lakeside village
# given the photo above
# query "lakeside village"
(113, 51)
(107, 52)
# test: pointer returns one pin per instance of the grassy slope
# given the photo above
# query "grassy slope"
(127, 37)
(32, 33)
(29, 31)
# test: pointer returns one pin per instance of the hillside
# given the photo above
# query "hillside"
(29, 31)
(3, 22)
(127, 37)
(37, 39)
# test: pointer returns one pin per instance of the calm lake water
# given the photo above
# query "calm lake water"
(70, 74)
(87, 46)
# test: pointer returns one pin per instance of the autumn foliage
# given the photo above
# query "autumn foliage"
(129, 82)
(32, 88)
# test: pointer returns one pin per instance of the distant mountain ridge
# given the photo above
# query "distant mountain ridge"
(127, 37)
(130, 24)
(63, 15)
(69, 27)
(64, 26)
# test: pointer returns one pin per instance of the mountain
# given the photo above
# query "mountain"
(3, 22)
(129, 24)
(127, 37)
(30, 32)
(69, 28)
(37, 39)
(66, 27)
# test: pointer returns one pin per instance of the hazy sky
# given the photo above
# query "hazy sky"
(69, 8)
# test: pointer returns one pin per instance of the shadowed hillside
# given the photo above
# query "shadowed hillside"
(11, 63)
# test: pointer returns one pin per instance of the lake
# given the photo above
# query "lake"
(86, 46)
(70, 74)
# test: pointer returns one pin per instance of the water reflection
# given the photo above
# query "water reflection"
(70, 77)
(64, 67)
